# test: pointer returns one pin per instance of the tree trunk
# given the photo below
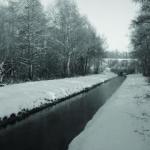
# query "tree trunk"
(1, 78)
(30, 73)
(68, 64)
(85, 65)
(2, 72)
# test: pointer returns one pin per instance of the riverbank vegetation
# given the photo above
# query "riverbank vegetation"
(36, 44)
(141, 36)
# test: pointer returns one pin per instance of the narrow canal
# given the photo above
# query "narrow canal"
(54, 127)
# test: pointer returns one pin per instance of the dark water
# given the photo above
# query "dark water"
(54, 127)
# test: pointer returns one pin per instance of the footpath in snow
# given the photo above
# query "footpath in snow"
(123, 123)
(27, 96)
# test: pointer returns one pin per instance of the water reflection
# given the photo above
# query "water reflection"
(54, 127)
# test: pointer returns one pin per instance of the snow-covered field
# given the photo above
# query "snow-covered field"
(18, 97)
(123, 123)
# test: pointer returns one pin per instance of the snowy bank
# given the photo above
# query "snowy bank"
(123, 123)
(28, 96)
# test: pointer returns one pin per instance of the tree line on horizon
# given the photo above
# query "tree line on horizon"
(36, 44)
(141, 36)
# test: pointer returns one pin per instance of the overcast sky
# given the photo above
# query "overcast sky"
(111, 18)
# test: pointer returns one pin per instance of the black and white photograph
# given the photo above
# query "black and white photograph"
(74, 74)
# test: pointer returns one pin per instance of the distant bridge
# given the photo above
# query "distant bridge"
(120, 59)
(128, 65)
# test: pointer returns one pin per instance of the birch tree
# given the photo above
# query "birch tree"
(32, 25)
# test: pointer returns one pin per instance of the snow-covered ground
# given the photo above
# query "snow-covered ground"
(123, 123)
(18, 97)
